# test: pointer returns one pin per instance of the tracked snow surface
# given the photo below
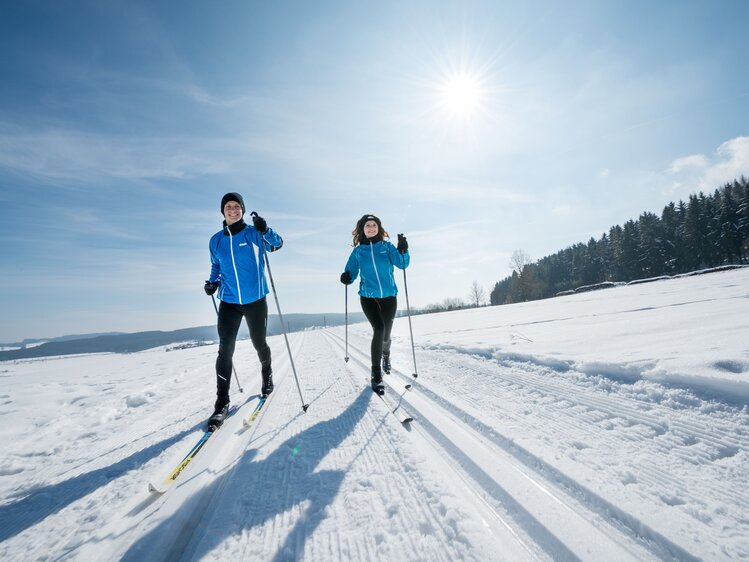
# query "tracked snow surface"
(608, 425)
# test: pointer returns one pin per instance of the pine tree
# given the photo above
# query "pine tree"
(693, 235)
(651, 254)
(729, 239)
(673, 243)
(629, 252)
(709, 221)
(742, 193)
(616, 235)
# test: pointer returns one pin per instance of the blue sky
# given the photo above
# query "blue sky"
(123, 123)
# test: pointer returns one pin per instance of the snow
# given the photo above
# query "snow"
(607, 425)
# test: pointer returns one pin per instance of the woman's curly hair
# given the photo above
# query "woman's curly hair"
(358, 232)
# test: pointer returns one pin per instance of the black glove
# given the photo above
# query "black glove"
(210, 288)
(259, 223)
(402, 244)
(346, 278)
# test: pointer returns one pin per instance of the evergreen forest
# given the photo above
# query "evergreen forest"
(705, 231)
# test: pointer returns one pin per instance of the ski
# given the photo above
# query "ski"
(174, 474)
(395, 409)
(249, 420)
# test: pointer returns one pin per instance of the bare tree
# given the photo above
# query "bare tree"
(477, 294)
(518, 261)
(523, 277)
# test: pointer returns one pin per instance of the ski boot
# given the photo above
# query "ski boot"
(267, 386)
(386, 363)
(220, 410)
(377, 385)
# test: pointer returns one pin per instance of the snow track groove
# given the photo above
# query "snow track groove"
(591, 414)
(542, 504)
(617, 417)
(672, 433)
(379, 455)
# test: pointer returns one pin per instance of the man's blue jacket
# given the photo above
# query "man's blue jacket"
(237, 263)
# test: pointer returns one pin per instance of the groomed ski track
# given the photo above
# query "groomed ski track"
(541, 512)
(506, 459)
(275, 491)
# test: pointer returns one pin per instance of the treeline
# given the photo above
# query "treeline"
(447, 305)
(706, 231)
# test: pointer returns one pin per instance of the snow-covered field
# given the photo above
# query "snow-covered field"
(611, 425)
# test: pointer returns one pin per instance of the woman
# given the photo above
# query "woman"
(373, 258)
(238, 273)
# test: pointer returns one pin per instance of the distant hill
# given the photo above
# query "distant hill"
(138, 341)
(37, 341)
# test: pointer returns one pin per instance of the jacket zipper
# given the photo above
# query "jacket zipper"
(234, 265)
(371, 247)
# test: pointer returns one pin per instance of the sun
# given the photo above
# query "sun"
(461, 95)
(459, 90)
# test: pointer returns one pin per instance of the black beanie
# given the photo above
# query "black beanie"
(232, 197)
(365, 219)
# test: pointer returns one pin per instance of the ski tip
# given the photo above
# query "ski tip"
(408, 387)
(154, 490)
(407, 421)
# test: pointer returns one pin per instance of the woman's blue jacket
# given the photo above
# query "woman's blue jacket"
(375, 264)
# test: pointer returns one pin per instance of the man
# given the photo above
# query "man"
(238, 274)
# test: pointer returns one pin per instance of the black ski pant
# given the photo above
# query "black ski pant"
(380, 313)
(229, 319)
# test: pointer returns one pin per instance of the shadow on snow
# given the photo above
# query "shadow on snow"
(269, 487)
(48, 500)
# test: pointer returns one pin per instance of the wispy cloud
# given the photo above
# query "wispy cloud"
(699, 172)
(200, 95)
(694, 161)
(88, 157)
(732, 161)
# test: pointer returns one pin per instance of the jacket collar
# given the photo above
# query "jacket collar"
(235, 228)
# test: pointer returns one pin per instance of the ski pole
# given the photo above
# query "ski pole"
(346, 358)
(232, 363)
(280, 317)
(408, 311)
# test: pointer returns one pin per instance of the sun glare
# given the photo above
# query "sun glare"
(460, 90)
(461, 95)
